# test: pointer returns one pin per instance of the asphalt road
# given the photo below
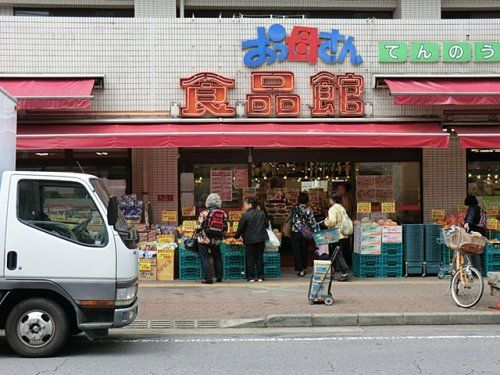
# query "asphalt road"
(377, 350)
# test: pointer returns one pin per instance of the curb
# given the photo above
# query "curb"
(329, 320)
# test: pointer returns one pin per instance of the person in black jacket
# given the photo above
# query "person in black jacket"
(252, 227)
(473, 224)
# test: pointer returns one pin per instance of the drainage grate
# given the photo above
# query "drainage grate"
(184, 324)
(207, 324)
(139, 324)
(160, 324)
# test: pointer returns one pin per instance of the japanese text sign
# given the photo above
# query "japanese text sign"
(304, 44)
(438, 214)
(364, 207)
(189, 225)
(388, 207)
(169, 216)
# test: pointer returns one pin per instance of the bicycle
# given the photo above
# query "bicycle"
(467, 284)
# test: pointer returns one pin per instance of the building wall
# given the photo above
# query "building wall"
(162, 177)
(155, 8)
(421, 9)
(444, 178)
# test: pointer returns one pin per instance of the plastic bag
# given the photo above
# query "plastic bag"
(272, 240)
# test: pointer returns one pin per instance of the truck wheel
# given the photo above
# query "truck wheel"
(37, 327)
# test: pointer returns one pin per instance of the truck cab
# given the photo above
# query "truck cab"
(68, 261)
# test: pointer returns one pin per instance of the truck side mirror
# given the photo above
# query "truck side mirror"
(112, 211)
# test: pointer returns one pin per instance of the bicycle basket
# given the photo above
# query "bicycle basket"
(473, 243)
(326, 236)
(451, 237)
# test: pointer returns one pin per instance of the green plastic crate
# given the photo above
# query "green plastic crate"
(189, 273)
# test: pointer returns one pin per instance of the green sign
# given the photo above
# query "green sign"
(424, 52)
(392, 52)
(456, 52)
(487, 51)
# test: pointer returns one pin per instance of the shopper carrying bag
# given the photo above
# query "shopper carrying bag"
(252, 227)
(337, 218)
(303, 223)
(211, 227)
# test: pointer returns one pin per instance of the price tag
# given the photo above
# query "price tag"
(189, 225)
(235, 215)
(492, 210)
(438, 214)
(165, 238)
(189, 211)
(364, 207)
(492, 224)
(235, 226)
(388, 207)
(169, 216)
(145, 265)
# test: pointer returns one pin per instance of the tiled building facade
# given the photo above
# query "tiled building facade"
(142, 59)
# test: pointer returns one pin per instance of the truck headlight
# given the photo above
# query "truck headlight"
(125, 296)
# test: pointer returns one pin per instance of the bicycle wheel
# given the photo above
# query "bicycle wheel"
(469, 294)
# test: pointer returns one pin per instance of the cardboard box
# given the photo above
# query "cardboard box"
(165, 260)
(321, 267)
(392, 234)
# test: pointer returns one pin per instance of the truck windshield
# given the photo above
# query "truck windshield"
(103, 194)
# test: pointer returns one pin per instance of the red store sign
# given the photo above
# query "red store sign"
(272, 95)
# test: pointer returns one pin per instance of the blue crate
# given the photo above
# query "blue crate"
(392, 261)
(234, 273)
(413, 240)
(190, 273)
(396, 271)
(367, 260)
(494, 235)
(432, 247)
(272, 272)
(232, 249)
(366, 271)
(189, 258)
(234, 260)
(272, 259)
(413, 268)
(392, 249)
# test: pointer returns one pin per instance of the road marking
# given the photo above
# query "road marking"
(298, 339)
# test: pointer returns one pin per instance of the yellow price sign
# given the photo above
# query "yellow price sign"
(165, 238)
(364, 207)
(145, 265)
(188, 211)
(492, 224)
(169, 216)
(189, 225)
(461, 208)
(492, 210)
(235, 226)
(388, 207)
(438, 214)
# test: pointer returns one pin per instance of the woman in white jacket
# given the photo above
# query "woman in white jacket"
(336, 215)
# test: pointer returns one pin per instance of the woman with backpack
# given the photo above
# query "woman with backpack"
(211, 227)
(302, 225)
(337, 218)
(475, 221)
(252, 227)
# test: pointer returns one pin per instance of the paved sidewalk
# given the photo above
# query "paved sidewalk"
(239, 299)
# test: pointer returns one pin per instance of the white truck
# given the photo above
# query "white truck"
(68, 261)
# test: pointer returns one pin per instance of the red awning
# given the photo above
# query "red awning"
(444, 91)
(50, 94)
(479, 136)
(369, 135)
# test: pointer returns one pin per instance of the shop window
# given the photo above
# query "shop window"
(62, 209)
(73, 12)
(387, 182)
(473, 14)
(483, 172)
(285, 13)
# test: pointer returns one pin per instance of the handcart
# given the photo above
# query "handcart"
(319, 290)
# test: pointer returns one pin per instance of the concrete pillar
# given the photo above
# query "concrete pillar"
(444, 173)
(421, 9)
(155, 8)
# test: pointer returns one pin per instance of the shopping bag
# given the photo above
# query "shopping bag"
(326, 236)
(272, 240)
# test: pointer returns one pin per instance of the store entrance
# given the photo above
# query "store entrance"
(276, 177)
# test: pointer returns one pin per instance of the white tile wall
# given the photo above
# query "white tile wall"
(411, 9)
(143, 59)
(155, 8)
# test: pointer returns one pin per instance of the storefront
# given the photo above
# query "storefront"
(264, 108)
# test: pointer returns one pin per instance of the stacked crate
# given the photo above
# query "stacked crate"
(272, 265)
(491, 258)
(233, 261)
(189, 264)
(392, 260)
(413, 248)
(432, 249)
(366, 265)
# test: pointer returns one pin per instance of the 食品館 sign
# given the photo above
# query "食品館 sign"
(272, 93)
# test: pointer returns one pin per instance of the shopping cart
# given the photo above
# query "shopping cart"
(320, 287)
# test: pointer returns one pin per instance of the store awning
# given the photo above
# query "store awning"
(42, 94)
(444, 91)
(359, 135)
(479, 136)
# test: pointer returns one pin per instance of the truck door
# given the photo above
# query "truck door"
(55, 231)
